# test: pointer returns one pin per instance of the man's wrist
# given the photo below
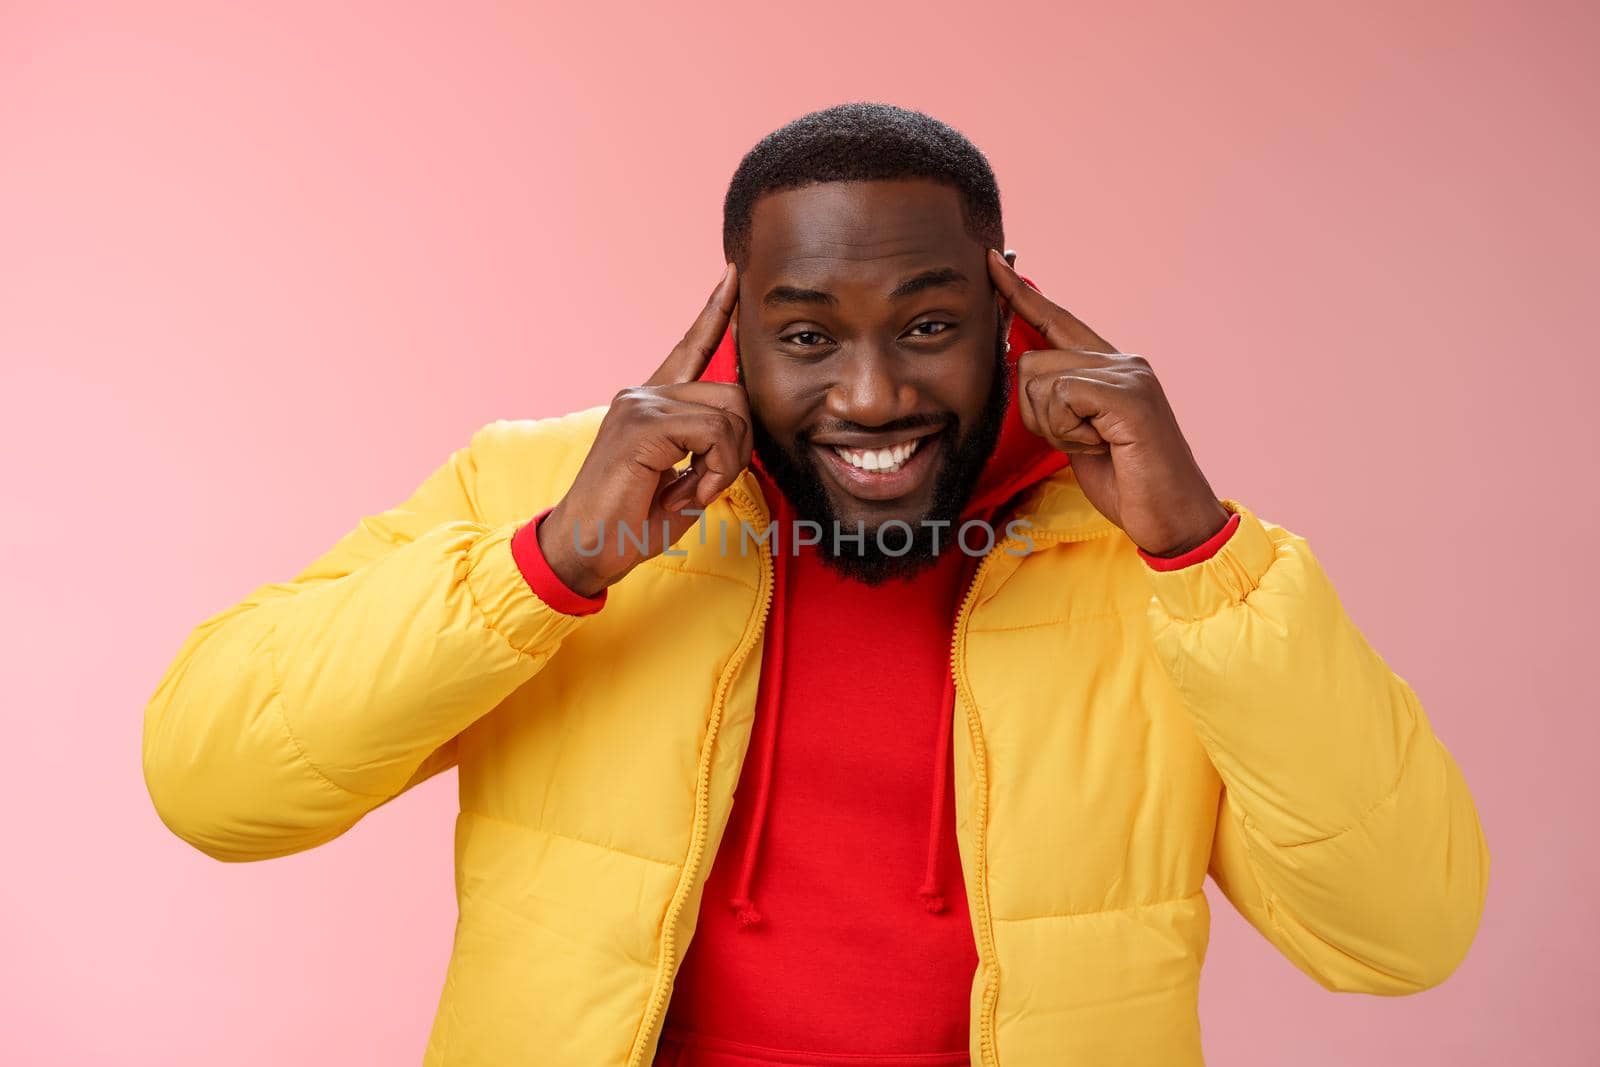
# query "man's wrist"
(561, 553)
(1209, 522)
(1198, 552)
(567, 591)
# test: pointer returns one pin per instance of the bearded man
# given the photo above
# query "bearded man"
(876, 684)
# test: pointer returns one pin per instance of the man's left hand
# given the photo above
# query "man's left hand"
(1107, 410)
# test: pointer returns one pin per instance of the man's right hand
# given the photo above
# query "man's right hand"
(628, 479)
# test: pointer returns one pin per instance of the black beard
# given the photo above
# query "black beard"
(801, 482)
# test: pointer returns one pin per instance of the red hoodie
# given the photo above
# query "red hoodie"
(834, 926)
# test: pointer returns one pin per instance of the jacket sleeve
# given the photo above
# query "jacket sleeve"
(1346, 833)
(287, 717)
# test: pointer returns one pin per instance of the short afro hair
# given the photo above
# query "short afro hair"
(862, 142)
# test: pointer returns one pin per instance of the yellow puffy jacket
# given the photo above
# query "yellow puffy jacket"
(1119, 734)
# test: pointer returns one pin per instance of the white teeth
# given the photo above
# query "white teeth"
(879, 459)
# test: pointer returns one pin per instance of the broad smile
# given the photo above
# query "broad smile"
(886, 468)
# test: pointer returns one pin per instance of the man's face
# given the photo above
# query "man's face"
(868, 335)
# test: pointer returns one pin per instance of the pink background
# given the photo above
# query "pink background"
(260, 271)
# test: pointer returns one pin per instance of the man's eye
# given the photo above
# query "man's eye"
(806, 338)
(931, 329)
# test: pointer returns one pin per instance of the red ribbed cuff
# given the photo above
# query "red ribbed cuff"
(544, 581)
(1198, 554)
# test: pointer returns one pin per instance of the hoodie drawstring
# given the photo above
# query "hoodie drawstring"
(772, 691)
(932, 898)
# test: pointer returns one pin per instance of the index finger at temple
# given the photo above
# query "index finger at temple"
(1055, 323)
(689, 357)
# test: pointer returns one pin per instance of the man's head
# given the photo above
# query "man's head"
(869, 335)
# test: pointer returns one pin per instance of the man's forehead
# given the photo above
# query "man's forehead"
(820, 229)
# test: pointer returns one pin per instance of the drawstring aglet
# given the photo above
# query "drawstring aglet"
(745, 909)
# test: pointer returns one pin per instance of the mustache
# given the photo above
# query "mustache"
(910, 422)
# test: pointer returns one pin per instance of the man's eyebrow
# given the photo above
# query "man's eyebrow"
(929, 279)
(789, 294)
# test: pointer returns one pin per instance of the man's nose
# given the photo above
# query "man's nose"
(870, 390)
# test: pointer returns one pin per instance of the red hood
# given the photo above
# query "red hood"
(1020, 457)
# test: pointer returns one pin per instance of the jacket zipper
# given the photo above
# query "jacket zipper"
(982, 924)
(702, 794)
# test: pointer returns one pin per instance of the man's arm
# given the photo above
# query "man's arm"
(287, 717)
(1346, 833)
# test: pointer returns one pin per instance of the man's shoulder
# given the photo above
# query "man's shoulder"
(555, 433)
(527, 464)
